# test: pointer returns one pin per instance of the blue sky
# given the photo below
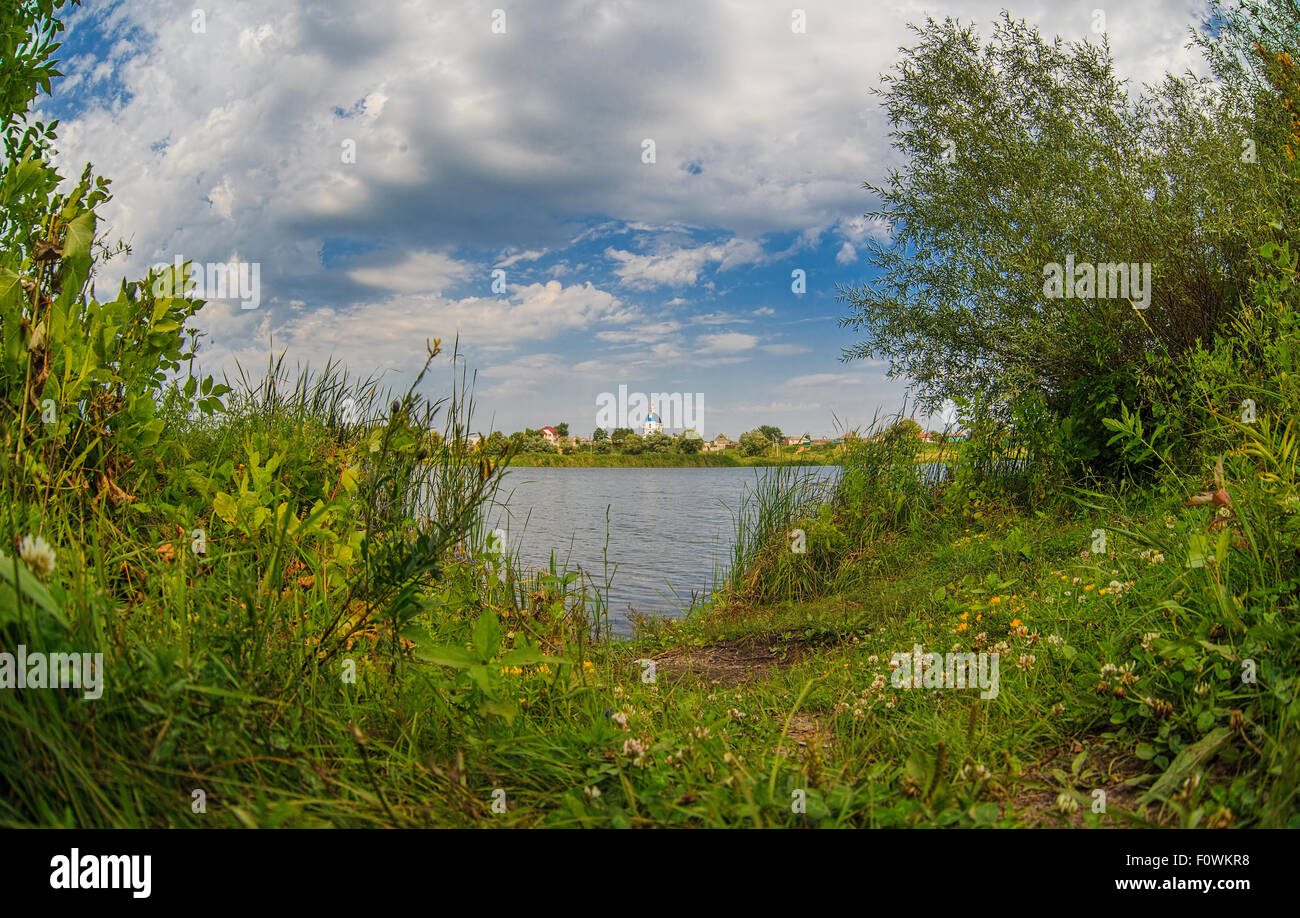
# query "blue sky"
(229, 133)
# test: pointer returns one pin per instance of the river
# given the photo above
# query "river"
(670, 530)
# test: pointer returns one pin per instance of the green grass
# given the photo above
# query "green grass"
(219, 681)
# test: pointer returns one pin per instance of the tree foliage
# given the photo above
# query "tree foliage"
(1018, 153)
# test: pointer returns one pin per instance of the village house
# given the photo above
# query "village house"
(550, 435)
(718, 443)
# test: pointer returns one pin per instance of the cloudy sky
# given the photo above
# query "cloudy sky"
(380, 161)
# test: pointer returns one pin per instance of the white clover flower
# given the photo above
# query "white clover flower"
(619, 718)
(1066, 803)
(37, 554)
(591, 793)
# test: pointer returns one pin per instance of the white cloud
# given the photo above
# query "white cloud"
(681, 267)
(784, 350)
(530, 255)
(418, 272)
(726, 343)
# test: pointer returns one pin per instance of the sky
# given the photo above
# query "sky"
(420, 169)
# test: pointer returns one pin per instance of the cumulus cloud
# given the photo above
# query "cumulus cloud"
(378, 167)
(416, 272)
(726, 343)
(681, 267)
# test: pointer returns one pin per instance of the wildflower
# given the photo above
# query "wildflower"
(1058, 709)
(37, 555)
(635, 750)
(1026, 661)
(1202, 689)
(995, 600)
(1091, 586)
(1159, 706)
(619, 718)
(1015, 623)
(1055, 640)
(1148, 638)
(1066, 804)
(591, 793)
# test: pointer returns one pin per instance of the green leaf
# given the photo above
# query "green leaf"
(447, 655)
(11, 288)
(76, 244)
(487, 635)
(1191, 758)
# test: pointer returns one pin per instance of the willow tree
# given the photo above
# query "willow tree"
(1020, 154)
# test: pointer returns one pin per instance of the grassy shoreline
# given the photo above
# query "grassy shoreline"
(223, 677)
(658, 461)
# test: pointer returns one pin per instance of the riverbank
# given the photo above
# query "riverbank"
(486, 703)
(660, 461)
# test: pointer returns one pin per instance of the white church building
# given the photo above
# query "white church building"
(653, 423)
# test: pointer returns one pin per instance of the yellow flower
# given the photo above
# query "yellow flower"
(1015, 623)
(963, 616)
(1091, 586)
(995, 600)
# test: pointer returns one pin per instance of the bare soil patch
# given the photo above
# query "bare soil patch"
(727, 663)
